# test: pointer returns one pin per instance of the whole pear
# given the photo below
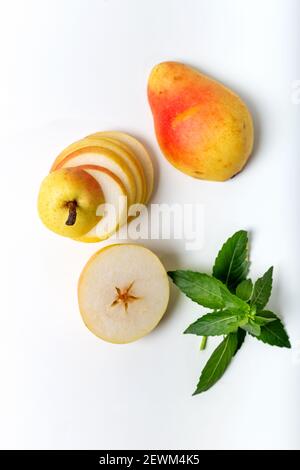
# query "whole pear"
(68, 200)
(202, 127)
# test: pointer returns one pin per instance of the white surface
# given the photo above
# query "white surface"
(69, 68)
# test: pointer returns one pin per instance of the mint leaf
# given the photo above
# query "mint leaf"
(244, 289)
(260, 320)
(262, 290)
(216, 323)
(273, 333)
(201, 288)
(217, 363)
(240, 334)
(252, 328)
(207, 291)
(232, 263)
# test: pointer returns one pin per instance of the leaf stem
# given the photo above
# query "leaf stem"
(203, 343)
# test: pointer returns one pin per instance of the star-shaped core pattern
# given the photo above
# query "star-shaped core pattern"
(124, 297)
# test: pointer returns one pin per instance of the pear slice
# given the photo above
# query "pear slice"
(96, 155)
(123, 292)
(115, 195)
(129, 158)
(79, 144)
(139, 150)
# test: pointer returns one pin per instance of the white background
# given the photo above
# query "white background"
(71, 67)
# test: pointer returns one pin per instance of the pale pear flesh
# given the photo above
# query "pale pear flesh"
(114, 196)
(129, 158)
(140, 151)
(123, 293)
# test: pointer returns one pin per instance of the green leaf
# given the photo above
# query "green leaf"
(217, 363)
(273, 333)
(252, 328)
(232, 263)
(253, 310)
(207, 291)
(244, 289)
(201, 288)
(261, 321)
(240, 334)
(216, 323)
(262, 290)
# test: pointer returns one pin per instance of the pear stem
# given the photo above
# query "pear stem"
(71, 205)
(203, 343)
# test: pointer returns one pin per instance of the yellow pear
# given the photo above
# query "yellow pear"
(68, 202)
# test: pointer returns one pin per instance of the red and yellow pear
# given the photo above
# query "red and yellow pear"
(203, 128)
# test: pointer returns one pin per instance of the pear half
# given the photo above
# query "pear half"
(123, 292)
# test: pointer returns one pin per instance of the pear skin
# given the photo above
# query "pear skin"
(68, 201)
(202, 127)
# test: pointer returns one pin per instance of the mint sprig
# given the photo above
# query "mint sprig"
(238, 307)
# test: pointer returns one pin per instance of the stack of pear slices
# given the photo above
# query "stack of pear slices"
(123, 169)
